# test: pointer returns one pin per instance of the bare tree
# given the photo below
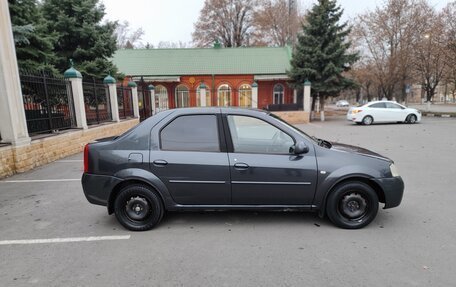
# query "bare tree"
(127, 39)
(449, 18)
(229, 21)
(388, 36)
(430, 54)
(168, 45)
(276, 23)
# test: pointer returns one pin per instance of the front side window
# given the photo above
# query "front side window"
(252, 135)
(245, 96)
(191, 133)
(278, 94)
(224, 96)
(182, 97)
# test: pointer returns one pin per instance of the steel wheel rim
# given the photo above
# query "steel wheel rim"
(137, 208)
(353, 206)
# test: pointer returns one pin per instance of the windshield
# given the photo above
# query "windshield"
(314, 139)
(320, 142)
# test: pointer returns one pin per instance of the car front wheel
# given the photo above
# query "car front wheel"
(137, 207)
(352, 205)
(367, 120)
(411, 119)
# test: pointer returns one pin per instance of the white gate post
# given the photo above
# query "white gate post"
(151, 89)
(111, 82)
(134, 96)
(202, 95)
(255, 95)
(75, 79)
(306, 102)
(13, 124)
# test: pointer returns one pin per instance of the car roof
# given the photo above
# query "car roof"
(374, 102)
(196, 110)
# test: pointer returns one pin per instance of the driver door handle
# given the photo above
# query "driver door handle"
(241, 165)
(160, 162)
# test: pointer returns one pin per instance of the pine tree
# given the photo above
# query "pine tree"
(34, 45)
(82, 36)
(322, 53)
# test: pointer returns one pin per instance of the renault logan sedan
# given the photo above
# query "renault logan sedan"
(198, 159)
(383, 112)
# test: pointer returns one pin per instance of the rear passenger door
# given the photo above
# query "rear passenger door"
(191, 159)
(378, 112)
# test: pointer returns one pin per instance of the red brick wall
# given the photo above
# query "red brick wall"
(265, 88)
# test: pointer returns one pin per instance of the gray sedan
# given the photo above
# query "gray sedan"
(234, 159)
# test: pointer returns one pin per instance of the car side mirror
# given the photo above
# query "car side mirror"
(299, 148)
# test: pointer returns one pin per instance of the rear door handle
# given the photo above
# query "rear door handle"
(160, 162)
(241, 165)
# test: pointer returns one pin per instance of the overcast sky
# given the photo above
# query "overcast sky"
(172, 20)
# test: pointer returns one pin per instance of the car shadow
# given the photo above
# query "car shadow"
(230, 218)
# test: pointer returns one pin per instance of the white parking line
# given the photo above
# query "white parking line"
(64, 240)
(40, 180)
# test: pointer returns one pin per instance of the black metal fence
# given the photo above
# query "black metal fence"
(48, 103)
(145, 109)
(96, 100)
(125, 102)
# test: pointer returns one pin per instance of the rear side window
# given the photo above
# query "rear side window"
(191, 133)
(378, 105)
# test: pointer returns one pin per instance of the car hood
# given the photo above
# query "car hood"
(357, 150)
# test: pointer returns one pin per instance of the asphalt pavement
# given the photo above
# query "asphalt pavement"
(68, 242)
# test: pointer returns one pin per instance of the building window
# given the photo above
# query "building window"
(161, 98)
(278, 94)
(224, 96)
(182, 97)
(208, 97)
(245, 96)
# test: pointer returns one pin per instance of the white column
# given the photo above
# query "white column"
(113, 100)
(255, 95)
(306, 101)
(152, 101)
(203, 96)
(295, 96)
(78, 101)
(134, 95)
(13, 126)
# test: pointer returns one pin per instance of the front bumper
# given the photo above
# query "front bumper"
(393, 189)
(98, 188)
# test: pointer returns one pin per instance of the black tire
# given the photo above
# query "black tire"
(367, 120)
(411, 119)
(138, 207)
(352, 205)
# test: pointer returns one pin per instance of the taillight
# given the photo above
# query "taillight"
(86, 158)
(356, 111)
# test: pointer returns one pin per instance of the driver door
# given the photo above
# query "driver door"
(263, 172)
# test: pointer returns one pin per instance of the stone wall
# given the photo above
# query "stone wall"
(48, 149)
(294, 117)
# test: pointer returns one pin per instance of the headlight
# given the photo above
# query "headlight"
(394, 171)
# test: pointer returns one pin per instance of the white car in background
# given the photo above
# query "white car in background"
(383, 112)
(342, 103)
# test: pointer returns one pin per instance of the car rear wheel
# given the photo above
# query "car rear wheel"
(352, 205)
(411, 119)
(368, 120)
(137, 207)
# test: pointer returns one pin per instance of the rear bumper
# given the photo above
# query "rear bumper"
(393, 188)
(98, 188)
